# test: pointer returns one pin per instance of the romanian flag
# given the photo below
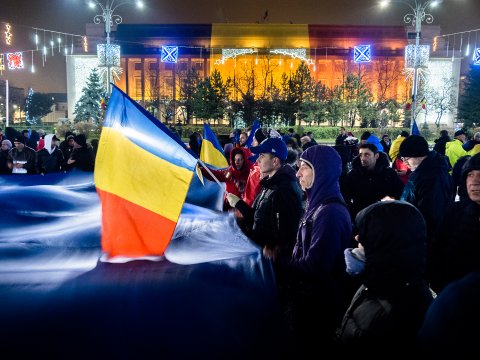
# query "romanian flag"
(142, 175)
(424, 103)
(211, 152)
(408, 105)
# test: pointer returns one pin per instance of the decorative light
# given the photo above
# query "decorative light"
(232, 53)
(108, 55)
(169, 54)
(417, 56)
(8, 34)
(362, 54)
(294, 53)
(2, 63)
(85, 44)
(476, 57)
(15, 60)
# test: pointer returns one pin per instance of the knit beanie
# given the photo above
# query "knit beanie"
(414, 146)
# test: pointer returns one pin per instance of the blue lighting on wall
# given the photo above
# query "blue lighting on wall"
(476, 57)
(362, 54)
(169, 54)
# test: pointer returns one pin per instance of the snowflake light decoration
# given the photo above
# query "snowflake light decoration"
(15, 61)
(362, 54)
(169, 54)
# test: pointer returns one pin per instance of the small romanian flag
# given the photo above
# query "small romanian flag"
(424, 103)
(408, 105)
(142, 175)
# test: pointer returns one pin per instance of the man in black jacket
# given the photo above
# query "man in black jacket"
(272, 221)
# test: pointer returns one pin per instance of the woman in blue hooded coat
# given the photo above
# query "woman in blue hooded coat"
(319, 287)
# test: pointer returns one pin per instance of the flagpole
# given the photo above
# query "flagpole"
(211, 174)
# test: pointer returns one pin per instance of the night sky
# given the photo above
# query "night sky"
(70, 16)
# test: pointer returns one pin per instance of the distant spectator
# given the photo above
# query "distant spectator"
(341, 137)
(6, 146)
(311, 136)
(306, 142)
(195, 143)
(393, 153)
(386, 143)
(66, 146)
(82, 154)
(473, 146)
(21, 158)
(441, 142)
(50, 158)
(369, 138)
(454, 149)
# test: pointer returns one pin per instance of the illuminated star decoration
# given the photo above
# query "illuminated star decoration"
(476, 57)
(15, 61)
(362, 54)
(169, 54)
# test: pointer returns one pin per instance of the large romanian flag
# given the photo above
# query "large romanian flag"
(211, 152)
(142, 175)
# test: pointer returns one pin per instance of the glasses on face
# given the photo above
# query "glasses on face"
(405, 159)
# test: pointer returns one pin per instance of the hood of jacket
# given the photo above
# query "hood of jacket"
(392, 255)
(327, 168)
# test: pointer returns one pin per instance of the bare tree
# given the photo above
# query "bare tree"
(441, 99)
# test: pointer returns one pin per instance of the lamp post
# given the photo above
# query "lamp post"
(416, 17)
(109, 17)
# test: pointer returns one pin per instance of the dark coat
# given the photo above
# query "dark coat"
(319, 291)
(430, 188)
(272, 220)
(439, 146)
(361, 187)
(389, 307)
(47, 163)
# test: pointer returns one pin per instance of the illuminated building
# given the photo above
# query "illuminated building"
(265, 50)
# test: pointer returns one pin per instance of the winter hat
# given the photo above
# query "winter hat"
(80, 139)
(459, 132)
(265, 133)
(414, 146)
(471, 164)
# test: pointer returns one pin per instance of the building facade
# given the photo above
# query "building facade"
(262, 54)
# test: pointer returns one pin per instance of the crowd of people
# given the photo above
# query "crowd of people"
(364, 236)
(31, 152)
(368, 238)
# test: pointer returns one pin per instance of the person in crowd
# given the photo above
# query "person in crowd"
(370, 180)
(50, 158)
(94, 143)
(386, 143)
(454, 149)
(402, 169)
(395, 147)
(440, 143)
(430, 186)
(228, 147)
(341, 137)
(368, 138)
(306, 142)
(291, 132)
(319, 289)
(252, 187)
(472, 146)
(242, 139)
(82, 154)
(21, 158)
(389, 306)
(235, 176)
(6, 147)
(41, 140)
(450, 327)
(460, 191)
(453, 255)
(66, 146)
(195, 143)
(292, 159)
(272, 221)
(312, 137)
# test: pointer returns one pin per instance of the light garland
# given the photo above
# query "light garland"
(233, 53)
(412, 60)
(294, 53)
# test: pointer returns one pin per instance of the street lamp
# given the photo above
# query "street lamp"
(109, 17)
(416, 17)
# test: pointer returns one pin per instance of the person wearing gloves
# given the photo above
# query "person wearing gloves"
(272, 221)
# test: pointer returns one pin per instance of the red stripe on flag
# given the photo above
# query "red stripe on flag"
(131, 229)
